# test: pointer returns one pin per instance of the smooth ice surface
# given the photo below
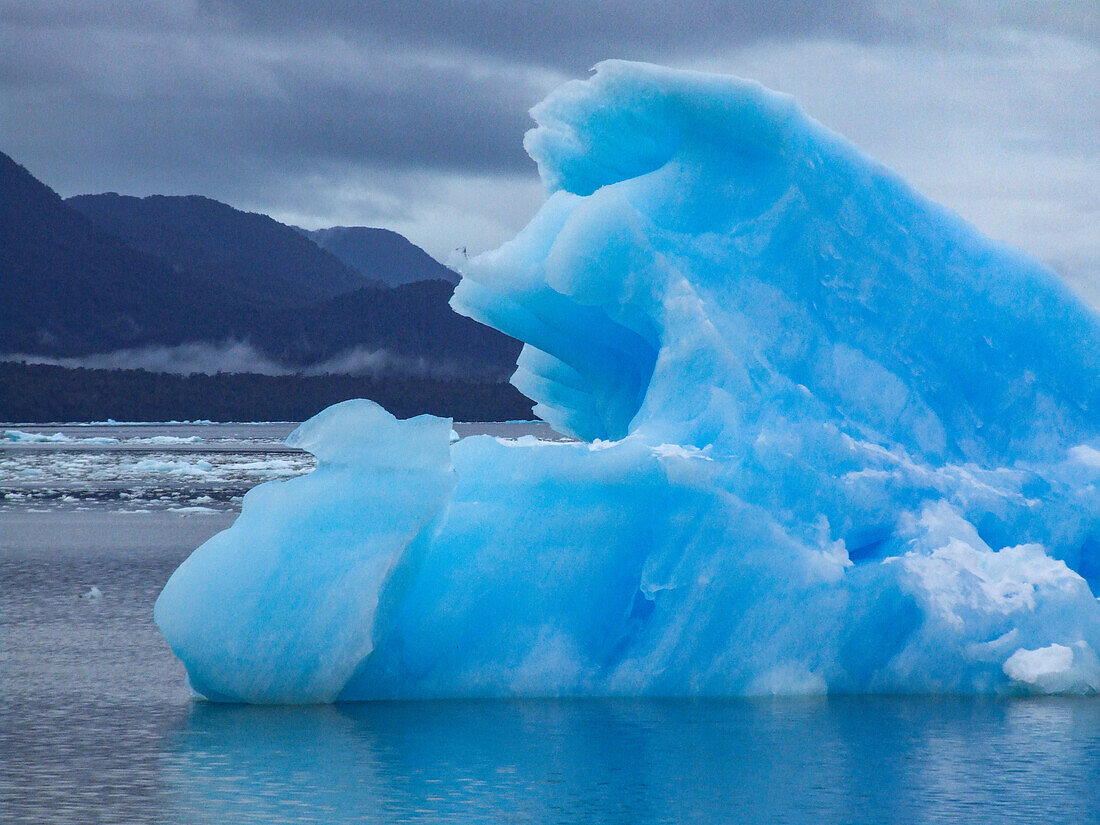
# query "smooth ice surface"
(831, 439)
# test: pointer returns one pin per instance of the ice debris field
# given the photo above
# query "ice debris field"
(831, 440)
(140, 467)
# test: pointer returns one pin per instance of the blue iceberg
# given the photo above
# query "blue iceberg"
(829, 439)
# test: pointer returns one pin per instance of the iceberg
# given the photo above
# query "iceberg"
(828, 439)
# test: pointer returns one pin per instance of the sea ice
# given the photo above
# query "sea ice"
(172, 467)
(830, 439)
(167, 439)
(23, 437)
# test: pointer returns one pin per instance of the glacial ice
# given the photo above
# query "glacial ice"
(830, 439)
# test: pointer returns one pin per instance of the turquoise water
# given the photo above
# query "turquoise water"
(96, 725)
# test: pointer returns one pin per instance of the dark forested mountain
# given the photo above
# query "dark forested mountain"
(381, 255)
(107, 274)
(259, 258)
(414, 321)
(71, 288)
(40, 392)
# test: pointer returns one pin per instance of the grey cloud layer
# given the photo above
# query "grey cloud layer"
(568, 35)
(188, 97)
(411, 114)
(174, 86)
(422, 83)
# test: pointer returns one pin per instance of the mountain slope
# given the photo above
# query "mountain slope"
(381, 255)
(256, 256)
(126, 275)
(71, 288)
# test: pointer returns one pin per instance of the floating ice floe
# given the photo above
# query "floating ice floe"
(23, 437)
(166, 439)
(830, 439)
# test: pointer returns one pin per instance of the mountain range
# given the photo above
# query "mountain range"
(381, 255)
(107, 280)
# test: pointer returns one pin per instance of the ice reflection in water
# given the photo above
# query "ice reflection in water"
(829, 760)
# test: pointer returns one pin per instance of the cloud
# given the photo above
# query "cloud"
(185, 359)
(215, 94)
(196, 100)
(411, 115)
(241, 357)
(567, 35)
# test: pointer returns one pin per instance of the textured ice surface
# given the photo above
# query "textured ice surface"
(187, 467)
(831, 439)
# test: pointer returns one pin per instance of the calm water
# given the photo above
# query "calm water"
(96, 724)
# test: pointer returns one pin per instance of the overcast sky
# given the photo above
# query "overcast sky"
(410, 115)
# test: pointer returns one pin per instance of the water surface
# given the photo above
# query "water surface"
(97, 724)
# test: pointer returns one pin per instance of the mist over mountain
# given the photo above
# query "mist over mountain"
(189, 285)
(413, 320)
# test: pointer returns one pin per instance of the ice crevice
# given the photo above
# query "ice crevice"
(830, 439)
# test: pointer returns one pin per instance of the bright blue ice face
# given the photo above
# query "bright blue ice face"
(711, 259)
(830, 439)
